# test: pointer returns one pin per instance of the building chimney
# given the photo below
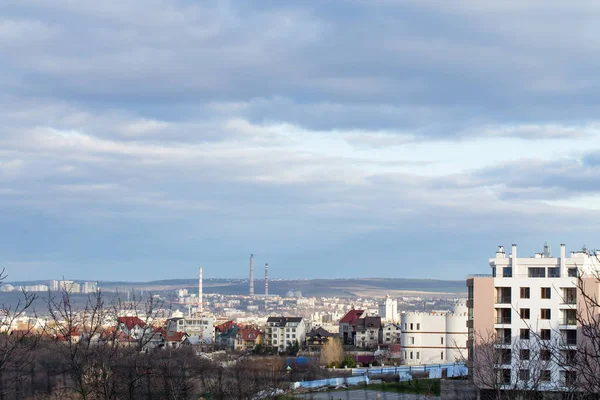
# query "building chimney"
(200, 291)
(251, 275)
(563, 255)
(266, 279)
(513, 256)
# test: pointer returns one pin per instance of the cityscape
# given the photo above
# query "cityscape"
(300, 199)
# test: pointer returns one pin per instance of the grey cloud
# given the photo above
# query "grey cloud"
(459, 68)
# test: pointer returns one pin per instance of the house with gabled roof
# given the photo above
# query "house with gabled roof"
(248, 339)
(317, 337)
(133, 327)
(347, 323)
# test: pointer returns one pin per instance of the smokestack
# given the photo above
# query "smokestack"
(251, 275)
(200, 291)
(266, 279)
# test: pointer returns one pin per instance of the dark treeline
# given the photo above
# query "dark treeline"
(86, 351)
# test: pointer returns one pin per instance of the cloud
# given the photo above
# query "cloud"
(146, 134)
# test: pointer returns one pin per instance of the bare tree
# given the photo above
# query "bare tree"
(15, 345)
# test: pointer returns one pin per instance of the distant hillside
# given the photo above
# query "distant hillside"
(354, 287)
(358, 287)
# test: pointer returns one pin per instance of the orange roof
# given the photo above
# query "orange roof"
(249, 334)
(131, 322)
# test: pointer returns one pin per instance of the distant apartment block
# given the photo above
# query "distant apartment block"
(73, 287)
(388, 310)
(281, 332)
(528, 306)
(434, 337)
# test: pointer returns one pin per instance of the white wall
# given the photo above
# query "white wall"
(434, 337)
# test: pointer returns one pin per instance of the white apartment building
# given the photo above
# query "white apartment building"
(530, 306)
(199, 325)
(435, 337)
(388, 309)
(89, 287)
(281, 332)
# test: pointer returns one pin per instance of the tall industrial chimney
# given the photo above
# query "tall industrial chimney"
(251, 275)
(200, 291)
(266, 279)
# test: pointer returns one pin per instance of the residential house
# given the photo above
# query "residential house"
(368, 332)
(175, 339)
(346, 329)
(390, 334)
(226, 339)
(281, 332)
(317, 337)
(132, 327)
(248, 339)
(201, 326)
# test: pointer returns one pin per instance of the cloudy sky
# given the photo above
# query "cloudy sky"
(140, 139)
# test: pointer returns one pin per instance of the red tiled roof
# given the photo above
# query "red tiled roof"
(176, 336)
(224, 327)
(351, 316)
(131, 322)
(249, 334)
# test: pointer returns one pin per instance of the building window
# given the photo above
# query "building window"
(405, 326)
(524, 292)
(572, 272)
(524, 313)
(411, 355)
(545, 334)
(553, 272)
(536, 272)
(545, 355)
(523, 374)
(418, 326)
(545, 293)
(524, 334)
(546, 375)
(524, 354)
(412, 340)
(506, 376)
(507, 272)
(442, 340)
(411, 326)
(418, 355)
(441, 355)
(545, 313)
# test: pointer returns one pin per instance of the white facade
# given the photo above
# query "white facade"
(388, 309)
(433, 338)
(89, 287)
(537, 295)
(201, 326)
(391, 334)
(281, 332)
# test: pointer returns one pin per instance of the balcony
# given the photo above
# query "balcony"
(570, 341)
(503, 320)
(503, 300)
(569, 321)
(569, 300)
(503, 340)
